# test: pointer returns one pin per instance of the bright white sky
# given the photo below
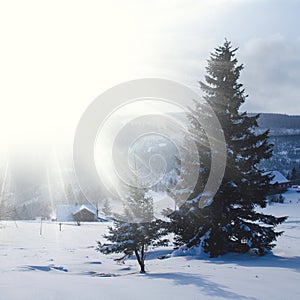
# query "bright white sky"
(58, 56)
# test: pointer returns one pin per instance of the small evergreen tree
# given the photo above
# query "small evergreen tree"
(230, 222)
(106, 208)
(136, 229)
(294, 174)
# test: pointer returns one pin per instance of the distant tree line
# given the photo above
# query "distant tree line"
(271, 120)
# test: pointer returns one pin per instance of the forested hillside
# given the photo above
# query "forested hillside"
(279, 124)
(285, 136)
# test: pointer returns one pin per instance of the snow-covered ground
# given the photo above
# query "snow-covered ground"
(64, 265)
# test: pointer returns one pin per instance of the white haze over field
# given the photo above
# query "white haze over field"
(112, 127)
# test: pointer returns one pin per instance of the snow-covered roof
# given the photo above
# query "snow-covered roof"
(278, 177)
(65, 212)
(91, 209)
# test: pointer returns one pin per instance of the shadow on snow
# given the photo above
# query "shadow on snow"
(208, 287)
(270, 260)
(45, 268)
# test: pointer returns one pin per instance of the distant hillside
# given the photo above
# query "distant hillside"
(279, 124)
(285, 136)
(270, 120)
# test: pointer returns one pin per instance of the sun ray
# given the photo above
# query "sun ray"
(4, 182)
(50, 191)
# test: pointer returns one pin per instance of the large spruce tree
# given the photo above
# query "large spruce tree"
(231, 222)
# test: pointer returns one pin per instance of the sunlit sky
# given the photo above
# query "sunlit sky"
(58, 56)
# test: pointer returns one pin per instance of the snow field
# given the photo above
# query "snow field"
(64, 265)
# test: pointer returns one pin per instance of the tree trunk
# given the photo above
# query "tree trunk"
(142, 267)
(141, 260)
